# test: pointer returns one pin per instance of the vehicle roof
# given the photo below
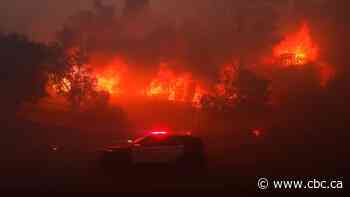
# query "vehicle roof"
(175, 135)
(185, 137)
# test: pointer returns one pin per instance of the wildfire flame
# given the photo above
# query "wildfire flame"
(174, 87)
(160, 86)
(298, 48)
(109, 77)
(109, 83)
(198, 95)
(226, 77)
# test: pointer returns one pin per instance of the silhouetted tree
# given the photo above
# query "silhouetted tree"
(250, 90)
(22, 73)
(245, 90)
(71, 73)
(73, 78)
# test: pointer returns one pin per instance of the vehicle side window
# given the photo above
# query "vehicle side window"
(173, 141)
(147, 141)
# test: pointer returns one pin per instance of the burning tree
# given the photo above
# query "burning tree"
(173, 87)
(71, 77)
(238, 87)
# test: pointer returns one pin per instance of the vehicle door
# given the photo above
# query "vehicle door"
(158, 149)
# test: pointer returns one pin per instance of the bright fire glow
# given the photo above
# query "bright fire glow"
(109, 83)
(226, 77)
(198, 95)
(295, 49)
(109, 77)
(64, 86)
(174, 87)
(298, 48)
(160, 86)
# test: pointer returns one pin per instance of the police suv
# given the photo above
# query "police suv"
(180, 150)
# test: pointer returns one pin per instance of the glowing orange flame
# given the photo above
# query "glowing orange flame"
(295, 49)
(180, 88)
(198, 95)
(226, 77)
(110, 84)
(160, 86)
(67, 86)
(155, 89)
(109, 76)
(298, 48)
(174, 87)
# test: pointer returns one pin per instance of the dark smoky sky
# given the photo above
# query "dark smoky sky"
(213, 27)
(41, 18)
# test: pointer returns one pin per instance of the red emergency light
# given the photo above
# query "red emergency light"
(159, 132)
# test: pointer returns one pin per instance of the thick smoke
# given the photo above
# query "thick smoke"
(197, 36)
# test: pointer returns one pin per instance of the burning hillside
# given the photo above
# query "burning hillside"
(295, 49)
(138, 58)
